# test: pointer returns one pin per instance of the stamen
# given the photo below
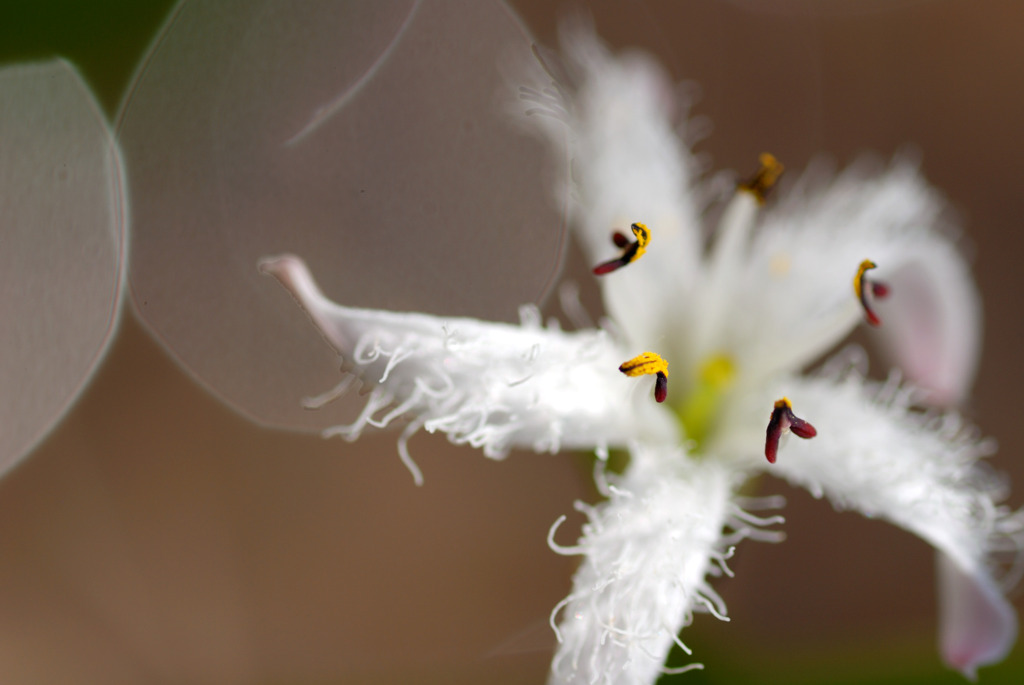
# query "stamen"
(646, 364)
(633, 250)
(862, 284)
(783, 419)
(765, 178)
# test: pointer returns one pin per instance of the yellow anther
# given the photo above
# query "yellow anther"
(632, 251)
(861, 286)
(643, 236)
(784, 403)
(765, 178)
(646, 364)
(858, 280)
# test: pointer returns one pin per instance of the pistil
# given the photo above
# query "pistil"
(701, 406)
(728, 255)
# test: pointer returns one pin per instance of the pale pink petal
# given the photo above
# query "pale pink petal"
(795, 298)
(932, 322)
(978, 625)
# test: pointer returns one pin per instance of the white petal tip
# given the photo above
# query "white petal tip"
(979, 627)
(292, 273)
(280, 266)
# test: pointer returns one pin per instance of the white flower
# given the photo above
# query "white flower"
(737, 325)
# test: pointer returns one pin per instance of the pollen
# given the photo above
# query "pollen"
(646, 364)
(782, 420)
(780, 266)
(765, 178)
(862, 285)
(632, 250)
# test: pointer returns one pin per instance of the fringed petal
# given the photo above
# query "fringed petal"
(491, 385)
(627, 165)
(647, 553)
(797, 297)
(876, 454)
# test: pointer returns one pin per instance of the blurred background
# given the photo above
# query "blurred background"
(157, 536)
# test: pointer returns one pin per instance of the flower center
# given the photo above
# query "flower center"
(699, 410)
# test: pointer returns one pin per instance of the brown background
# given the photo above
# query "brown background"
(158, 537)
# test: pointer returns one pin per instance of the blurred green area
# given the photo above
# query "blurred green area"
(872, 661)
(106, 39)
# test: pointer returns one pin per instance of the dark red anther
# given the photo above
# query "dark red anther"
(801, 428)
(610, 266)
(771, 443)
(620, 239)
(617, 263)
(872, 318)
(660, 387)
(879, 290)
(784, 419)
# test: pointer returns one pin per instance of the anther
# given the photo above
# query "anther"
(862, 284)
(633, 250)
(646, 364)
(765, 178)
(783, 419)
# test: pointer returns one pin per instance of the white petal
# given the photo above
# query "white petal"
(977, 625)
(62, 239)
(627, 165)
(647, 553)
(727, 260)
(920, 472)
(491, 385)
(796, 298)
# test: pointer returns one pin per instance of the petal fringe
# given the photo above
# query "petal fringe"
(669, 523)
(489, 385)
(920, 470)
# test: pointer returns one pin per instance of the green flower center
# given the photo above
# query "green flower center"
(698, 412)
